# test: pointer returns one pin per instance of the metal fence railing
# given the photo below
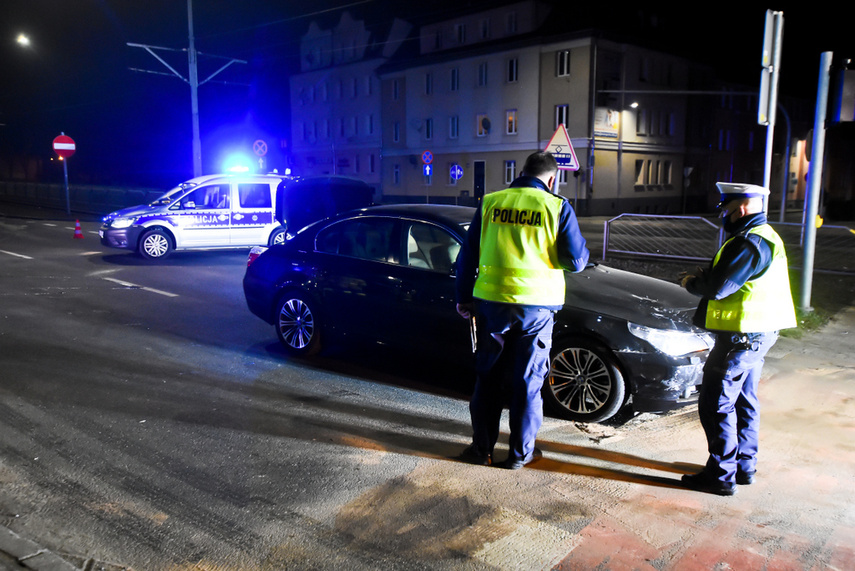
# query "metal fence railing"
(698, 239)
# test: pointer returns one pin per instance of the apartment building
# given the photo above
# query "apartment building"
(453, 113)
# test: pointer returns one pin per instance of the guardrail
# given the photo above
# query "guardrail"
(90, 199)
(698, 239)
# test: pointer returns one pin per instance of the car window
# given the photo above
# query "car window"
(366, 238)
(431, 247)
(254, 195)
(208, 197)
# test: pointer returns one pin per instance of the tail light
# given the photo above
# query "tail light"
(254, 252)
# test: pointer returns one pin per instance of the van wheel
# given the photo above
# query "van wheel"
(297, 325)
(584, 382)
(155, 244)
(276, 237)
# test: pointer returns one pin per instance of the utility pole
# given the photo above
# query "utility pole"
(192, 79)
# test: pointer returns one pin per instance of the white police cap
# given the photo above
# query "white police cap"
(732, 190)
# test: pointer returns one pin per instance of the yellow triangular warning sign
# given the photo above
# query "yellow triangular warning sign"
(562, 149)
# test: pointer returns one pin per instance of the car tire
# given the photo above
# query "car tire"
(584, 382)
(155, 244)
(297, 325)
(276, 237)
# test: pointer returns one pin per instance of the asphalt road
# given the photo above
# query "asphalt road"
(148, 421)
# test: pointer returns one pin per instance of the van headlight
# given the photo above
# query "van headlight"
(122, 222)
(670, 341)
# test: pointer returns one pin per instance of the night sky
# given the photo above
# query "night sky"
(134, 128)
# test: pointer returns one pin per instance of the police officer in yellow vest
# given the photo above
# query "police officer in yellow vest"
(746, 300)
(510, 276)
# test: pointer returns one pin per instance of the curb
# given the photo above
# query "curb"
(31, 555)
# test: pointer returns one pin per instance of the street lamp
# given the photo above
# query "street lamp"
(23, 40)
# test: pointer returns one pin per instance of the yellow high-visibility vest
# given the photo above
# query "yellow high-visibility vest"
(519, 260)
(761, 304)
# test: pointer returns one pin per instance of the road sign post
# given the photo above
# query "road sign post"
(64, 146)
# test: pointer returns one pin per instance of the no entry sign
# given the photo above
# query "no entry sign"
(64, 146)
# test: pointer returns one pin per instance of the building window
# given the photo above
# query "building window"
(667, 172)
(510, 171)
(511, 23)
(369, 124)
(482, 74)
(482, 125)
(561, 114)
(396, 174)
(562, 63)
(453, 127)
(451, 180)
(369, 89)
(396, 131)
(511, 122)
(455, 79)
(428, 129)
(641, 122)
(396, 89)
(513, 70)
(428, 83)
(460, 33)
(485, 29)
(640, 174)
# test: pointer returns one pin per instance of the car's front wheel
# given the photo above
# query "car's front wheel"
(297, 325)
(584, 382)
(155, 244)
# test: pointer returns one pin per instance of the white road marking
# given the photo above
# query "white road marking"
(135, 286)
(16, 255)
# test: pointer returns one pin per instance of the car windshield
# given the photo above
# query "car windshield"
(170, 196)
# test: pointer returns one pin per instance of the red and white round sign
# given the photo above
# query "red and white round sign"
(64, 146)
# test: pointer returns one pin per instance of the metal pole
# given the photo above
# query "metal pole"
(773, 99)
(194, 93)
(65, 175)
(65, 178)
(814, 179)
(785, 170)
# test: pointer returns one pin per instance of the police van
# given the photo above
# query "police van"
(227, 211)
(205, 212)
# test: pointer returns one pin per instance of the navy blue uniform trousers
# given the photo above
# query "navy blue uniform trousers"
(511, 362)
(728, 405)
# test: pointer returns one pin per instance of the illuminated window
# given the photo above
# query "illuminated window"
(511, 122)
(482, 125)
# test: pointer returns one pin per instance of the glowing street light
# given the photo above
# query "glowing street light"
(23, 40)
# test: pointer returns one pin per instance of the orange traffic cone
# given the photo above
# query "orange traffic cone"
(78, 234)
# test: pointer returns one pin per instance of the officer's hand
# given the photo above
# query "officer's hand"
(465, 310)
(686, 277)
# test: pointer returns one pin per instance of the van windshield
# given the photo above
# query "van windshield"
(170, 196)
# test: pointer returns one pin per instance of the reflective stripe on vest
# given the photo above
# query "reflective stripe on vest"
(518, 260)
(762, 304)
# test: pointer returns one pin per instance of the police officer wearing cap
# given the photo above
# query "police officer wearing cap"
(510, 276)
(745, 300)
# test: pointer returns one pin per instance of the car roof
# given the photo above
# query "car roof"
(448, 214)
(240, 177)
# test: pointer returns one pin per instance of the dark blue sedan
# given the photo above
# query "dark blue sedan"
(386, 273)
